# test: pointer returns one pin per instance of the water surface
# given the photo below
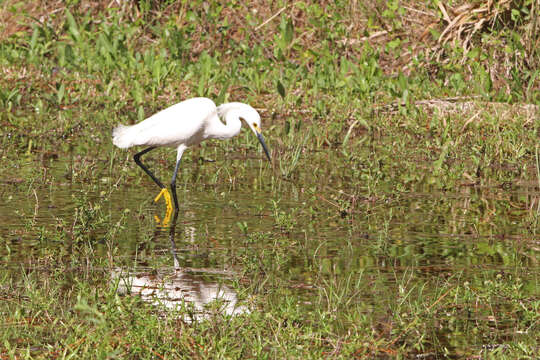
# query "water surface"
(332, 251)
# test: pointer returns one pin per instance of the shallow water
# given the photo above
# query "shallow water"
(381, 253)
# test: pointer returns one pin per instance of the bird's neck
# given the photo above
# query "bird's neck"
(230, 113)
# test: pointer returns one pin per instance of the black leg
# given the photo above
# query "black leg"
(173, 186)
(173, 243)
(137, 159)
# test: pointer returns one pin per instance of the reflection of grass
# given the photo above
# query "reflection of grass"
(398, 217)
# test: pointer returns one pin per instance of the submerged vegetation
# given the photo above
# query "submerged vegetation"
(399, 217)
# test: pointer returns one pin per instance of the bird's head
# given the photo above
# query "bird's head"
(253, 119)
(250, 116)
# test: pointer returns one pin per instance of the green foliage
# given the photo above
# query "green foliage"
(398, 217)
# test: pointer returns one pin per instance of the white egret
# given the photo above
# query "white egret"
(183, 125)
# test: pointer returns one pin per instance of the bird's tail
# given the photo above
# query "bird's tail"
(121, 136)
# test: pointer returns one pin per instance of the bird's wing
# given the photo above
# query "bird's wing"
(181, 123)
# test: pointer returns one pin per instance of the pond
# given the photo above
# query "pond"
(448, 264)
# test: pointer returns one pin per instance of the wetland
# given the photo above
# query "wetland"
(398, 218)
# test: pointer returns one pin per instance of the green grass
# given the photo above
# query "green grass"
(399, 216)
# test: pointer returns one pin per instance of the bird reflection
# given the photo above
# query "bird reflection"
(181, 289)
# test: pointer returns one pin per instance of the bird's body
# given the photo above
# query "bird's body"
(185, 124)
(182, 123)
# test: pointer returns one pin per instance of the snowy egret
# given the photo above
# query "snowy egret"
(183, 125)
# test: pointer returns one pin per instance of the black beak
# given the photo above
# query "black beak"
(261, 140)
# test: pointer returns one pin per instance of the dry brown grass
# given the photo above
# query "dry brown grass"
(19, 16)
(470, 107)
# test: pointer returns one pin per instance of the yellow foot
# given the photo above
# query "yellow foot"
(167, 196)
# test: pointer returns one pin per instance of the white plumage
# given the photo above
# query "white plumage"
(181, 123)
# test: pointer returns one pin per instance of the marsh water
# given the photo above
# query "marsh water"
(326, 249)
